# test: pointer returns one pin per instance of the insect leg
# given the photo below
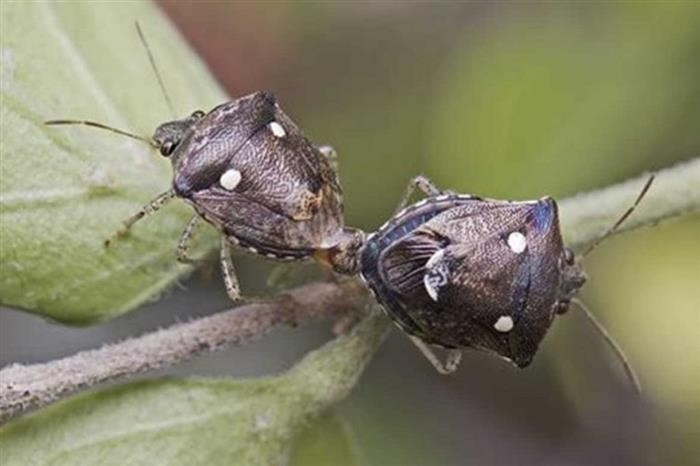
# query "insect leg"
(146, 210)
(447, 367)
(419, 182)
(229, 272)
(183, 246)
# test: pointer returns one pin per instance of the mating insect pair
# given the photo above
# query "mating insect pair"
(455, 271)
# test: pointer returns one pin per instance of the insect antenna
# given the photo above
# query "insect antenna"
(617, 349)
(622, 218)
(94, 124)
(155, 69)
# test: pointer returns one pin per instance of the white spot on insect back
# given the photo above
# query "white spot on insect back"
(230, 179)
(504, 324)
(517, 242)
(277, 129)
(430, 287)
(435, 258)
(437, 274)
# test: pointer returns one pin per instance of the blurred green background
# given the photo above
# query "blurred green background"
(504, 100)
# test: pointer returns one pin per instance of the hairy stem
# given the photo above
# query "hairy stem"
(584, 218)
(32, 386)
(675, 192)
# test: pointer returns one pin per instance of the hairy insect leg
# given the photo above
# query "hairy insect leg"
(183, 246)
(229, 272)
(419, 182)
(146, 210)
(448, 366)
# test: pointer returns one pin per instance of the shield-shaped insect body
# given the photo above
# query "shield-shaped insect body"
(463, 272)
(459, 271)
(248, 170)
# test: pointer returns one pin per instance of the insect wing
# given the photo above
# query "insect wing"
(247, 222)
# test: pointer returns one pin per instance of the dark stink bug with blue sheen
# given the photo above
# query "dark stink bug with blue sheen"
(248, 170)
(459, 271)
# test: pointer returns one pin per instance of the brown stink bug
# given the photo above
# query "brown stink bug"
(248, 170)
(459, 271)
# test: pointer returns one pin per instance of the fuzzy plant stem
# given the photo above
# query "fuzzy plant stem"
(584, 217)
(26, 387)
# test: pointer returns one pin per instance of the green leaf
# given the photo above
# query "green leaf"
(152, 422)
(65, 190)
(195, 421)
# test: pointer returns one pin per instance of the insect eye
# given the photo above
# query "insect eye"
(569, 256)
(167, 148)
(198, 114)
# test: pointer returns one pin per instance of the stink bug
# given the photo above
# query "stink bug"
(248, 170)
(459, 271)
